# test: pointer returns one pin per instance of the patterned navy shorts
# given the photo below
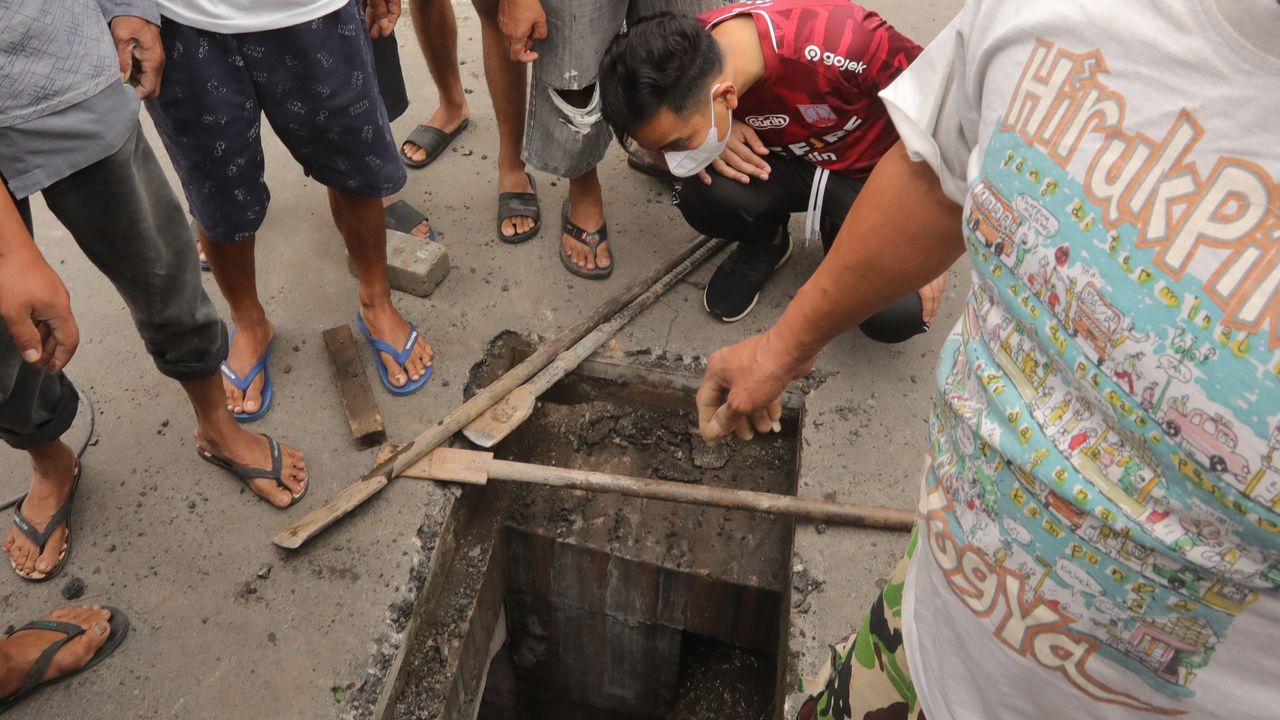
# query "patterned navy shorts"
(316, 84)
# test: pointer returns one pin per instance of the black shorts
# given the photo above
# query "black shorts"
(316, 85)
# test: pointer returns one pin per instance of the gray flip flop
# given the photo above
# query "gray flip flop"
(520, 204)
(433, 140)
(119, 624)
(591, 241)
(40, 538)
(246, 473)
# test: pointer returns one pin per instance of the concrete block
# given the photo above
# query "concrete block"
(414, 265)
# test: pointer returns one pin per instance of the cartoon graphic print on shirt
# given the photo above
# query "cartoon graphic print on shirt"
(1153, 284)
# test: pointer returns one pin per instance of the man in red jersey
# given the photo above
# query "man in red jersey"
(779, 99)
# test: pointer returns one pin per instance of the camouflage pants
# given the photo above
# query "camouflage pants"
(866, 675)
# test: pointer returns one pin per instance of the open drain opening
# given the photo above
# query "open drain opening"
(602, 605)
(593, 636)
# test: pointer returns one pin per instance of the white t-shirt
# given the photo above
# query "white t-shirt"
(1099, 516)
(241, 16)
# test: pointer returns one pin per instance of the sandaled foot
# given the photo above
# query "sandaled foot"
(64, 642)
(249, 343)
(429, 140)
(250, 456)
(585, 251)
(519, 211)
(384, 323)
(35, 555)
(402, 216)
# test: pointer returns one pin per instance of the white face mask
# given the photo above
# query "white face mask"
(687, 163)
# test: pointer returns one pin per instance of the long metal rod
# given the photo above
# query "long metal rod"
(354, 495)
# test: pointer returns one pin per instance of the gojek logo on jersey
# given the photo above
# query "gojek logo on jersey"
(813, 53)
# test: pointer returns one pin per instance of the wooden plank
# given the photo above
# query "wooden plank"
(353, 386)
(453, 465)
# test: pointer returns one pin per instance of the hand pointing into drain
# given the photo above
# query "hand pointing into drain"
(741, 392)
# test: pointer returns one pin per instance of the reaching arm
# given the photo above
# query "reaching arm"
(34, 304)
(901, 233)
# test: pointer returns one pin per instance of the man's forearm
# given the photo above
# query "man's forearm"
(901, 233)
(15, 240)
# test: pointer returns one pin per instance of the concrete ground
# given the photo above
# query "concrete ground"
(181, 548)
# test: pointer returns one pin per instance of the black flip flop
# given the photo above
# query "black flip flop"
(119, 624)
(520, 204)
(246, 473)
(41, 538)
(591, 241)
(433, 140)
(403, 217)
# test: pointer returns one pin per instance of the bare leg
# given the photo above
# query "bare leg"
(507, 82)
(437, 30)
(360, 221)
(233, 268)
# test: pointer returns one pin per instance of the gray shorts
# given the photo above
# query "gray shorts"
(559, 138)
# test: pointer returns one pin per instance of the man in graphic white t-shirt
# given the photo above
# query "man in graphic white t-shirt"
(1099, 534)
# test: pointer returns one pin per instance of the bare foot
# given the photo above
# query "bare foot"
(444, 119)
(54, 469)
(589, 217)
(21, 649)
(242, 447)
(515, 181)
(248, 345)
(931, 296)
(386, 324)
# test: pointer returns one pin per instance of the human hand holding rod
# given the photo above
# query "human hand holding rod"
(901, 233)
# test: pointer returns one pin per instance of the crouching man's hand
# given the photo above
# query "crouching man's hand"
(741, 392)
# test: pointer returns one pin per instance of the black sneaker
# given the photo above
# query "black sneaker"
(735, 286)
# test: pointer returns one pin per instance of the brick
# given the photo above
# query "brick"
(414, 265)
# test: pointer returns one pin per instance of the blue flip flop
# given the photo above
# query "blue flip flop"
(401, 356)
(242, 384)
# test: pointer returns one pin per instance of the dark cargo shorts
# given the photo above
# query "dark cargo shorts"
(315, 83)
